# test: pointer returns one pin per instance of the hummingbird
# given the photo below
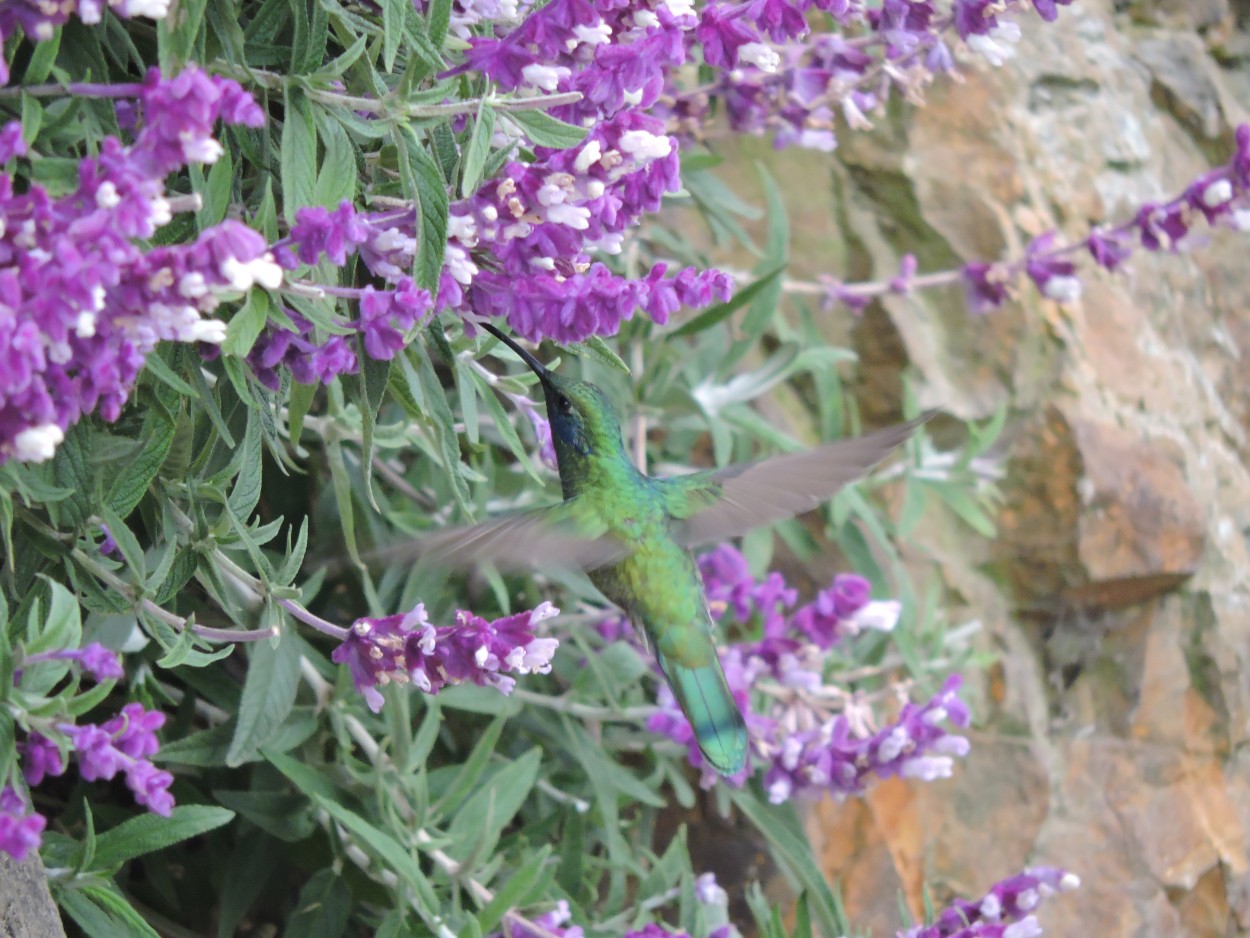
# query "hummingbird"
(632, 533)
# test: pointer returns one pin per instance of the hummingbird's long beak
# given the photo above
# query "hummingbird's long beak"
(535, 365)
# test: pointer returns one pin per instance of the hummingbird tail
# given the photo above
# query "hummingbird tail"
(705, 699)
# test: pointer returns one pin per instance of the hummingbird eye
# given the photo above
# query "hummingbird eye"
(564, 405)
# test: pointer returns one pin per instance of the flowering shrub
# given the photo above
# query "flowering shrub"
(243, 252)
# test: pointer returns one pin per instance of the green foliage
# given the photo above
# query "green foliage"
(299, 808)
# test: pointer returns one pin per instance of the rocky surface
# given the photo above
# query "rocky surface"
(1117, 594)
(26, 906)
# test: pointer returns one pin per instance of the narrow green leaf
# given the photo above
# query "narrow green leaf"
(298, 153)
(246, 491)
(394, 13)
(133, 482)
(424, 185)
(150, 832)
(247, 324)
(322, 909)
(517, 892)
(438, 18)
(444, 425)
(795, 853)
(217, 190)
(127, 543)
(477, 825)
(297, 409)
(337, 177)
(373, 376)
(157, 367)
(388, 848)
(42, 59)
(268, 696)
(101, 913)
(71, 469)
(478, 149)
(544, 130)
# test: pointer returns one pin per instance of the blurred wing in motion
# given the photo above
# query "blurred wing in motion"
(717, 504)
(565, 535)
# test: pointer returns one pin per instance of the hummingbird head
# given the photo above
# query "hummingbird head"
(583, 421)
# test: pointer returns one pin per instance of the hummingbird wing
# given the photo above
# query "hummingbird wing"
(567, 534)
(721, 503)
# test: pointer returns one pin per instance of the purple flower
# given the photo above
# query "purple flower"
(812, 736)
(554, 922)
(987, 287)
(406, 648)
(1108, 249)
(21, 829)
(108, 545)
(81, 303)
(1009, 902)
(99, 663)
(1050, 271)
(42, 758)
(1162, 226)
(123, 744)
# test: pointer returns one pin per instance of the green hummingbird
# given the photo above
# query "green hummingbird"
(633, 532)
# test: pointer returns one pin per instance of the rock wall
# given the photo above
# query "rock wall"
(1117, 594)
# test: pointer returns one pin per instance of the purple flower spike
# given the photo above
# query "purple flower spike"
(406, 648)
(987, 287)
(42, 758)
(21, 829)
(123, 744)
(1108, 249)
(1006, 911)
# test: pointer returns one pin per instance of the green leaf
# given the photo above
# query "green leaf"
(42, 59)
(544, 130)
(394, 12)
(127, 543)
(337, 177)
(312, 782)
(246, 491)
(475, 829)
(247, 324)
(382, 844)
(444, 425)
(284, 815)
(518, 891)
(150, 832)
(71, 469)
(268, 696)
(424, 185)
(298, 153)
(373, 377)
(438, 18)
(217, 189)
(478, 149)
(594, 347)
(133, 482)
(778, 826)
(102, 913)
(297, 409)
(322, 909)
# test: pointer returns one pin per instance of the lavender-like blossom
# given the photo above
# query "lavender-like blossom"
(97, 662)
(811, 736)
(557, 922)
(1006, 911)
(21, 828)
(81, 303)
(122, 744)
(406, 648)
